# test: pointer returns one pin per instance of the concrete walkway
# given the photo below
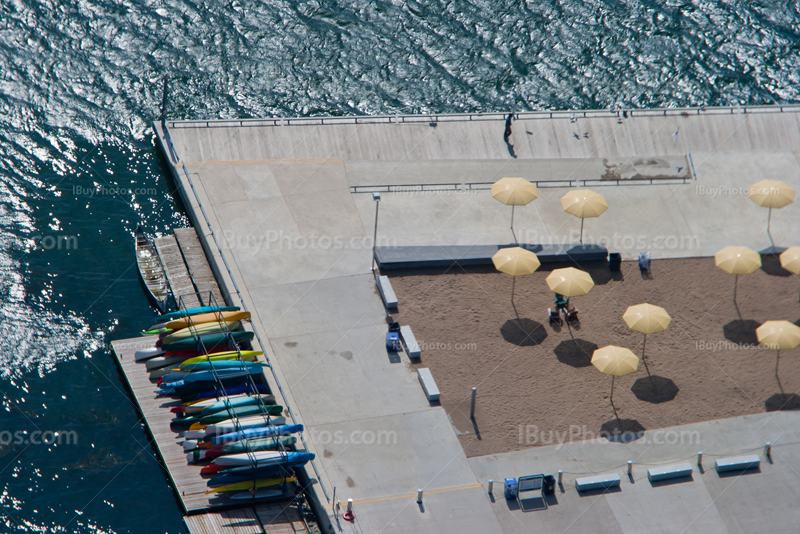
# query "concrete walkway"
(299, 244)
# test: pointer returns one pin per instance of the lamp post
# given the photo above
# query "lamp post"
(377, 198)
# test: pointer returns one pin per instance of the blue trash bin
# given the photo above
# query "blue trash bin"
(511, 488)
(393, 342)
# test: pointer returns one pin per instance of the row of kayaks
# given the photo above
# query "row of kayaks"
(230, 422)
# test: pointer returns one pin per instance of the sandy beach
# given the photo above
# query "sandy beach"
(536, 384)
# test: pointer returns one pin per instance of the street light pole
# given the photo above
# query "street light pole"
(377, 198)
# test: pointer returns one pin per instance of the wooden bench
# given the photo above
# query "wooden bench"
(410, 342)
(428, 384)
(387, 293)
(597, 482)
(669, 471)
(739, 463)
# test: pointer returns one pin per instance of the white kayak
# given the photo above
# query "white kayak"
(164, 361)
(260, 457)
(146, 354)
(253, 421)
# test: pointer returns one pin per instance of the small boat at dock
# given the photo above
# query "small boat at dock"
(151, 270)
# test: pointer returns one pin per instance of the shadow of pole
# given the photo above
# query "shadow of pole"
(612, 402)
(644, 360)
(736, 304)
(777, 362)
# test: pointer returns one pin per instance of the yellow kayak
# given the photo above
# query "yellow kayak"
(251, 484)
(247, 355)
(208, 318)
(207, 328)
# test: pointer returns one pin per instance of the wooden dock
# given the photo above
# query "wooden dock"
(269, 519)
(199, 270)
(180, 283)
(281, 517)
(186, 479)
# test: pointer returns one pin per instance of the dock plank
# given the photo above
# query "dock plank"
(197, 264)
(180, 282)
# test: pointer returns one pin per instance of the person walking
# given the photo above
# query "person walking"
(507, 133)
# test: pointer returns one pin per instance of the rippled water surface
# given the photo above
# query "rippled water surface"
(80, 82)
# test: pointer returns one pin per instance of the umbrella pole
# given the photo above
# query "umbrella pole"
(513, 283)
(769, 220)
(512, 225)
(777, 362)
(644, 344)
(581, 230)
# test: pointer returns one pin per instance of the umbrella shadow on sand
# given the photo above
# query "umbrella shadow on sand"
(782, 401)
(523, 332)
(622, 430)
(771, 264)
(655, 389)
(741, 331)
(576, 353)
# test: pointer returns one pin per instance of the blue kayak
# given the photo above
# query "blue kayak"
(209, 341)
(207, 376)
(167, 317)
(259, 432)
(224, 364)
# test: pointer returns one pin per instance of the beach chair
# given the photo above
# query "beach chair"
(554, 315)
(572, 315)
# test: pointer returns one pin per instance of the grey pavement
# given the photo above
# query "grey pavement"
(298, 242)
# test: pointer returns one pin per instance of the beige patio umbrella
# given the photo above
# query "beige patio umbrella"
(737, 261)
(615, 361)
(647, 319)
(515, 261)
(779, 335)
(584, 203)
(514, 192)
(570, 282)
(790, 260)
(771, 194)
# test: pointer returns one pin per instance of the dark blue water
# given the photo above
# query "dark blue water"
(80, 82)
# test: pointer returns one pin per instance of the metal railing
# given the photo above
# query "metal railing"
(483, 186)
(432, 119)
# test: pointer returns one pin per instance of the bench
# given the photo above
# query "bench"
(387, 293)
(669, 471)
(597, 482)
(410, 342)
(428, 384)
(739, 463)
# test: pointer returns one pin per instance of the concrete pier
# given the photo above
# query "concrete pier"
(284, 213)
